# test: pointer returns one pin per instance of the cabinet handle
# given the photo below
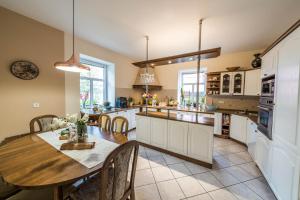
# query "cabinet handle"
(255, 131)
(265, 74)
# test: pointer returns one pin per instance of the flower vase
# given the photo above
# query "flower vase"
(82, 133)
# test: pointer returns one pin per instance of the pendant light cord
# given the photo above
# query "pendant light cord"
(147, 57)
(198, 65)
(73, 28)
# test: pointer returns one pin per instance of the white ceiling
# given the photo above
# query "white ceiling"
(172, 25)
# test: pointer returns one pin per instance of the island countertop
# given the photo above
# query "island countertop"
(180, 117)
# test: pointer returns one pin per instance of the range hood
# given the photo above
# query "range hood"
(138, 84)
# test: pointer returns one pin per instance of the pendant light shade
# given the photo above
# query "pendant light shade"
(72, 64)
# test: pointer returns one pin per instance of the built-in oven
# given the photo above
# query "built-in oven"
(265, 116)
(268, 86)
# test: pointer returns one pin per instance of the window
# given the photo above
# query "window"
(188, 85)
(93, 90)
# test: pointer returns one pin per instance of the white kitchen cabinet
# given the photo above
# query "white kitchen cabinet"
(143, 129)
(196, 134)
(177, 137)
(269, 63)
(218, 124)
(238, 128)
(251, 137)
(159, 132)
(263, 155)
(232, 83)
(252, 82)
(204, 115)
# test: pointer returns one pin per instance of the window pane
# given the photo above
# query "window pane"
(85, 93)
(189, 78)
(98, 92)
(95, 72)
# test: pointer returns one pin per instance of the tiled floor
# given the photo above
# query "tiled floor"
(234, 176)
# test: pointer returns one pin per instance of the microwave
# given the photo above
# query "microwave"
(268, 86)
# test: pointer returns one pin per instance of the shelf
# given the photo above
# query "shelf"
(213, 80)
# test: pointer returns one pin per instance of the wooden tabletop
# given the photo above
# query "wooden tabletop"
(29, 162)
(180, 117)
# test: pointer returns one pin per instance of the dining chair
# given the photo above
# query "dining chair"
(120, 125)
(7, 190)
(104, 122)
(115, 180)
(41, 123)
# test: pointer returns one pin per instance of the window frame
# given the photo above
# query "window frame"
(181, 83)
(91, 80)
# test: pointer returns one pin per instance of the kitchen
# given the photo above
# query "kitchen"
(210, 104)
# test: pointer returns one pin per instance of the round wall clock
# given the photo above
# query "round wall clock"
(24, 70)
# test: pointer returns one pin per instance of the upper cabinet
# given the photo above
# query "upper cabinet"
(269, 63)
(252, 82)
(232, 83)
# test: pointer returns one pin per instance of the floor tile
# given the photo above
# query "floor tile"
(162, 173)
(225, 177)
(200, 197)
(235, 148)
(252, 169)
(190, 186)
(157, 161)
(245, 155)
(172, 160)
(208, 181)
(236, 159)
(195, 169)
(143, 177)
(179, 170)
(151, 152)
(261, 187)
(239, 173)
(222, 194)
(220, 162)
(242, 192)
(170, 190)
(147, 192)
(142, 163)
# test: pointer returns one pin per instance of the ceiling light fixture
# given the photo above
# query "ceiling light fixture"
(147, 77)
(71, 65)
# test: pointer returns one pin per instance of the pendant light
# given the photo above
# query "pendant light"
(72, 64)
(147, 77)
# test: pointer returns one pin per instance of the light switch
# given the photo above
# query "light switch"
(35, 105)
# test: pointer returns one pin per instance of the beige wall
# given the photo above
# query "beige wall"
(168, 77)
(125, 72)
(23, 38)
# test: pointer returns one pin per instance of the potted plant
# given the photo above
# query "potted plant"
(82, 128)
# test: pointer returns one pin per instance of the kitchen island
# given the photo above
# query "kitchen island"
(183, 135)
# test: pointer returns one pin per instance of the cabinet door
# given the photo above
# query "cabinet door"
(238, 83)
(218, 124)
(251, 137)
(177, 137)
(225, 83)
(263, 155)
(252, 82)
(238, 126)
(196, 135)
(267, 64)
(159, 131)
(143, 129)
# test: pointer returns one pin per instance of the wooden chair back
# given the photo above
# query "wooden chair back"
(120, 125)
(104, 122)
(118, 172)
(41, 123)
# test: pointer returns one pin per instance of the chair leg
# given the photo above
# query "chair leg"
(132, 195)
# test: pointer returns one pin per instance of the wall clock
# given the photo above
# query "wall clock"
(24, 70)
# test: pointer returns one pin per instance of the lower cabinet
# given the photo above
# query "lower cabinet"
(177, 137)
(218, 124)
(238, 128)
(263, 154)
(252, 134)
(143, 129)
(159, 132)
(196, 135)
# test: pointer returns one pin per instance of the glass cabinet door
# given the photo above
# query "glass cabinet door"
(225, 83)
(238, 83)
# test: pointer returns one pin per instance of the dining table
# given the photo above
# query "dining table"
(30, 162)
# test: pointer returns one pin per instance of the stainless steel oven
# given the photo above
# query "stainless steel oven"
(268, 86)
(265, 116)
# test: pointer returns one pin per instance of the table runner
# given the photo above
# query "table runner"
(90, 157)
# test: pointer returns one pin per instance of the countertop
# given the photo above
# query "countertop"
(180, 117)
(112, 110)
